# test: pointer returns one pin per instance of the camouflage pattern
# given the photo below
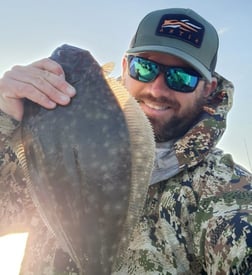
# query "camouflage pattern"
(199, 221)
(196, 222)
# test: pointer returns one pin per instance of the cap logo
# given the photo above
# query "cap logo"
(181, 27)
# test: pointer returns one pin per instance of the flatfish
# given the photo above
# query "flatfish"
(88, 164)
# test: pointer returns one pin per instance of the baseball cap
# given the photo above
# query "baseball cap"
(182, 33)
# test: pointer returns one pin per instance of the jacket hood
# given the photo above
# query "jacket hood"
(193, 147)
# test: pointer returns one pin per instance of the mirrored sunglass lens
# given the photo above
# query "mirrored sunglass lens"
(143, 70)
(180, 80)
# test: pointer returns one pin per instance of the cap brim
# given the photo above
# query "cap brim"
(169, 50)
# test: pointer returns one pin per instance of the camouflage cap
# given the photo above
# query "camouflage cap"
(182, 33)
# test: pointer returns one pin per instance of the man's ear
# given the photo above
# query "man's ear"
(210, 87)
(124, 68)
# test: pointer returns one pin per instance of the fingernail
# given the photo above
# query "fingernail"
(71, 90)
(64, 98)
(51, 104)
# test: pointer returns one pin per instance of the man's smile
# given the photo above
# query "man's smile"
(156, 106)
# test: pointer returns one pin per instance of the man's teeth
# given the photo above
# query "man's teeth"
(156, 107)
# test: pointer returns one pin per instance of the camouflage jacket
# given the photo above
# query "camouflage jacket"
(198, 221)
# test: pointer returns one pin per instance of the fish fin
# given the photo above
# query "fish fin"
(142, 145)
(120, 91)
(107, 68)
(19, 149)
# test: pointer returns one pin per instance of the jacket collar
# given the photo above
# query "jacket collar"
(195, 145)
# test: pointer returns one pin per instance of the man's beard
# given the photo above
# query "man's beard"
(177, 126)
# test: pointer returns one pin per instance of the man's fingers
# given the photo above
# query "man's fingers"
(42, 82)
(58, 82)
(32, 80)
(49, 65)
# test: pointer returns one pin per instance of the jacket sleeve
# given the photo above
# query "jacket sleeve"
(226, 218)
(16, 207)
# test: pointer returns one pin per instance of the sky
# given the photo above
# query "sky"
(31, 30)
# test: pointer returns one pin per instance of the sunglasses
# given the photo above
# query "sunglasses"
(180, 79)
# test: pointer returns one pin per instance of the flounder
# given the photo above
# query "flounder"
(88, 164)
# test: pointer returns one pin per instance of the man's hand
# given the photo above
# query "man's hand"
(42, 82)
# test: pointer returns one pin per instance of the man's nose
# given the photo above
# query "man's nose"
(159, 88)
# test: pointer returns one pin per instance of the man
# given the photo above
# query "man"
(197, 217)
